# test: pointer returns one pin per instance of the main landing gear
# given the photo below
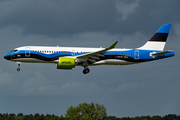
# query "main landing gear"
(86, 70)
(19, 63)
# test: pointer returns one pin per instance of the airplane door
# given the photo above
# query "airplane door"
(136, 54)
(27, 51)
(73, 52)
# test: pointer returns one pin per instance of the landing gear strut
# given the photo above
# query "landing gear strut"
(18, 69)
(86, 70)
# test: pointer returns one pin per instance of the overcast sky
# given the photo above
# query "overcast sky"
(150, 88)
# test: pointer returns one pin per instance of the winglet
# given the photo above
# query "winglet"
(112, 46)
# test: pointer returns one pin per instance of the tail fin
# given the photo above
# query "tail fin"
(158, 41)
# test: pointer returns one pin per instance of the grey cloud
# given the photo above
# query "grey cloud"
(40, 86)
(126, 7)
(57, 18)
(128, 87)
(5, 79)
(147, 18)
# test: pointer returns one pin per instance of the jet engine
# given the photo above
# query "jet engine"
(66, 63)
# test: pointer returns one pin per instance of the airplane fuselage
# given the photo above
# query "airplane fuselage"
(40, 54)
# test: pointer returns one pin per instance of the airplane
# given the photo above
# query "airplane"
(68, 57)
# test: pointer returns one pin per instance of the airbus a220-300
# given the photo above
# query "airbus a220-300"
(69, 57)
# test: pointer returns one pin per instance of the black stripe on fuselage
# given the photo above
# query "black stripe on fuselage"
(122, 57)
(159, 37)
(35, 56)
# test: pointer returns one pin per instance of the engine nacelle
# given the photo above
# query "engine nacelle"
(66, 63)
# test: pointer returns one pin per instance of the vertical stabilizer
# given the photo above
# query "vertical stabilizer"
(158, 41)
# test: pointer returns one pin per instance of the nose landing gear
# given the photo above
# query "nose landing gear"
(19, 63)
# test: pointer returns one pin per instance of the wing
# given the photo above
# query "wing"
(95, 55)
(161, 53)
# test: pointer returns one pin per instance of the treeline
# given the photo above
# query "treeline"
(157, 117)
(37, 116)
(84, 111)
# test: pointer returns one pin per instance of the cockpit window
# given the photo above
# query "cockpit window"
(14, 51)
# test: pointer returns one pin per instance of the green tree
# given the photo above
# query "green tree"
(42, 117)
(156, 117)
(36, 115)
(170, 117)
(85, 111)
(11, 116)
(20, 114)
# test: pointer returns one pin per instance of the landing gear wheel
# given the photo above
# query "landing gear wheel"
(19, 63)
(86, 70)
(18, 69)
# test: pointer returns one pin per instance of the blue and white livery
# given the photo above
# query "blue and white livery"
(69, 57)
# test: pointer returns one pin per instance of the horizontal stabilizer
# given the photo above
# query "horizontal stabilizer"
(160, 53)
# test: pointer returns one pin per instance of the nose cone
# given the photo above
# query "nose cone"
(7, 57)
